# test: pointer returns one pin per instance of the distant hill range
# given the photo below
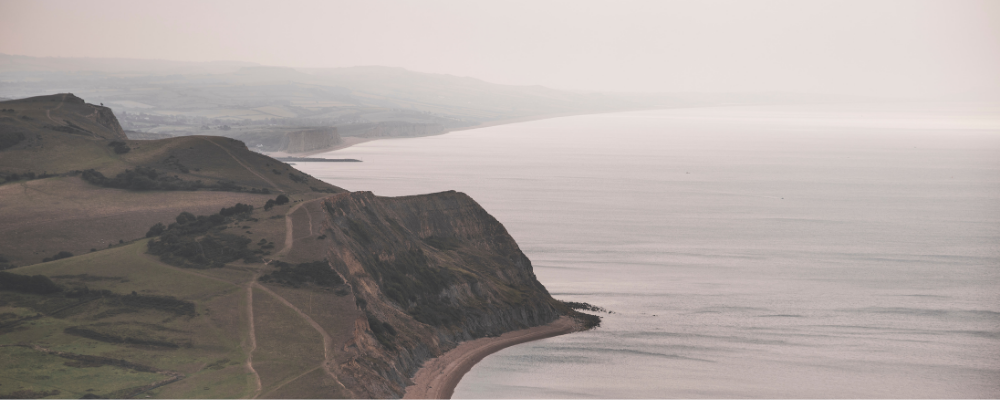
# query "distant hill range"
(192, 267)
(261, 105)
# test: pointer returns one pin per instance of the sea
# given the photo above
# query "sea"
(798, 251)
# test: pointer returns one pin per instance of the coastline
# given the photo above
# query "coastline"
(345, 143)
(353, 140)
(439, 376)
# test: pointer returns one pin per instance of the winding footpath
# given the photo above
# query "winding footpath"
(327, 364)
(253, 335)
(47, 112)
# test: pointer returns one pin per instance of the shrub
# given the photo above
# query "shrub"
(281, 199)
(156, 230)
(59, 256)
(317, 273)
(140, 179)
(119, 147)
(35, 284)
(239, 208)
(382, 330)
(9, 139)
(185, 217)
(178, 246)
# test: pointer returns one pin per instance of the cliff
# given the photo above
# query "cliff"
(61, 113)
(392, 129)
(310, 139)
(427, 272)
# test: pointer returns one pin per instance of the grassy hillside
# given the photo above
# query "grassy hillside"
(48, 205)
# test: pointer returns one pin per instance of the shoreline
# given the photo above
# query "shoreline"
(439, 376)
(353, 140)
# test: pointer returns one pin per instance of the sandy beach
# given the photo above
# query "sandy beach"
(438, 377)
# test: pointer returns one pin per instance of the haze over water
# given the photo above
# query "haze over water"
(796, 251)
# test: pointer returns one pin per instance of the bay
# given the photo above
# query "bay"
(768, 251)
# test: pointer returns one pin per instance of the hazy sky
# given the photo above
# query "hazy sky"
(906, 47)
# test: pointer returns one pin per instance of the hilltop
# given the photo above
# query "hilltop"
(194, 267)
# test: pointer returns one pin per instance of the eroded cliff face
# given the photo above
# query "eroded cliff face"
(427, 272)
(104, 117)
(311, 139)
(401, 129)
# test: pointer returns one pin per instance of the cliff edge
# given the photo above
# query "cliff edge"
(427, 272)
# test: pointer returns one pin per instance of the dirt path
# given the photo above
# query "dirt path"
(327, 340)
(253, 336)
(289, 232)
(61, 101)
(249, 300)
(438, 377)
(242, 164)
(310, 218)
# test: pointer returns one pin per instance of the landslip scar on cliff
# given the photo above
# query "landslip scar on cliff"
(191, 267)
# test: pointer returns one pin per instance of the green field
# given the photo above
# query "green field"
(207, 343)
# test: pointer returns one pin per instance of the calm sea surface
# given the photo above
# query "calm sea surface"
(800, 251)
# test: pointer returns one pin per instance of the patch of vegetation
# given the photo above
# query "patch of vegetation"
(134, 300)
(70, 128)
(212, 250)
(145, 178)
(42, 285)
(9, 139)
(384, 332)
(156, 230)
(111, 333)
(442, 243)
(5, 264)
(239, 208)
(174, 162)
(409, 281)
(28, 176)
(142, 179)
(298, 178)
(325, 190)
(59, 256)
(220, 364)
(120, 147)
(281, 199)
(72, 373)
(35, 284)
(29, 394)
(189, 243)
(316, 273)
